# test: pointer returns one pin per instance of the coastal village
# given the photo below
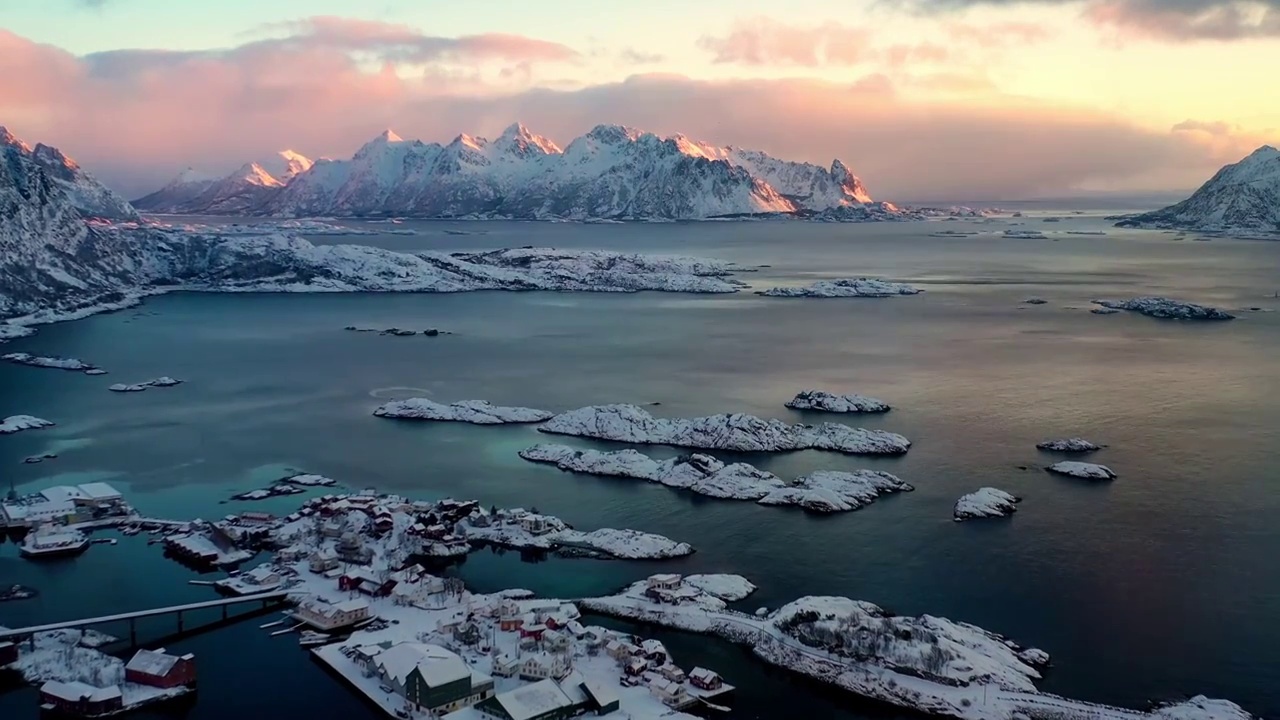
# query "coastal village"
(360, 574)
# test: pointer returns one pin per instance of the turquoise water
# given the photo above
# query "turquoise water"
(1160, 584)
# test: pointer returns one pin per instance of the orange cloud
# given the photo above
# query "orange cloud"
(136, 118)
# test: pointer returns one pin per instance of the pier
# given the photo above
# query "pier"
(267, 599)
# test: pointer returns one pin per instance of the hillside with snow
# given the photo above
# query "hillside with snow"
(243, 192)
(611, 172)
(1240, 198)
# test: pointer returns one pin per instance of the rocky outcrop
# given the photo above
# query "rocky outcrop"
(820, 401)
(845, 288)
(18, 423)
(1166, 309)
(1069, 445)
(1087, 471)
(985, 503)
(1240, 198)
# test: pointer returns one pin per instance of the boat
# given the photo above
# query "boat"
(52, 541)
(309, 638)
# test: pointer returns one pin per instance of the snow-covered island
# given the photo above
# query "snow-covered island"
(1166, 309)
(745, 433)
(18, 423)
(845, 288)
(820, 401)
(1035, 301)
(1069, 445)
(164, 381)
(1088, 471)
(56, 363)
(824, 491)
(548, 533)
(479, 412)
(985, 503)
(1026, 234)
(1242, 199)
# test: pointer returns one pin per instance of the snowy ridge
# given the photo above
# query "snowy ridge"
(745, 433)
(1240, 198)
(610, 172)
(240, 192)
(479, 412)
(822, 491)
(90, 197)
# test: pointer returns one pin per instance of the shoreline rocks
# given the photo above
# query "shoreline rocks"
(1086, 471)
(740, 432)
(478, 412)
(1166, 309)
(819, 401)
(845, 288)
(398, 332)
(987, 502)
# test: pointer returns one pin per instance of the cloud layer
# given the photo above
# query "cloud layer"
(1177, 20)
(137, 117)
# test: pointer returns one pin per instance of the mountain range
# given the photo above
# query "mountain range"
(1242, 197)
(611, 172)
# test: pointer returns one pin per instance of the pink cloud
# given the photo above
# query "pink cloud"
(137, 118)
(1002, 34)
(762, 41)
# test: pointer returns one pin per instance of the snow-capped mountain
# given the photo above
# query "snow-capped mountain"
(1244, 197)
(242, 192)
(90, 197)
(181, 192)
(49, 256)
(611, 172)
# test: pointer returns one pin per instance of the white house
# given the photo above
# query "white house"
(331, 616)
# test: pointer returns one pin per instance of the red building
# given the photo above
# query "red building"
(157, 668)
(77, 698)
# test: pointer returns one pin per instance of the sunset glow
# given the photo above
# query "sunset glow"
(924, 99)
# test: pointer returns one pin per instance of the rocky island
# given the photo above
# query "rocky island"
(744, 433)
(985, 503)
(1087, 471)
(820, 401)
(478, 412)
(1069, 445)
(18, 423)
(824, 491)
(1166, 309)
(845, 288)
(164, 381)
(56, 363)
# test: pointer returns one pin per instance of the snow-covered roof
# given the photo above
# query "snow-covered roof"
(571, 686)
(602, 694)
(533, 700)
(100, 491)
(63, 494)
(653, 646)
(437, 665)
(152, 662)
(75, 691)
(260, 573)
(703, 674)
(351, 606)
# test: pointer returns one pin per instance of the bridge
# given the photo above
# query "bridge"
(267, 599)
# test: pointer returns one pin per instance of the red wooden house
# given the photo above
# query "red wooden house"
(157, 668)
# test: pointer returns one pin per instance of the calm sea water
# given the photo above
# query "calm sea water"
(1161, 584)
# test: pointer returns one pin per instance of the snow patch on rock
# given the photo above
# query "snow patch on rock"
(1068, 445)
(163, 381)
(730, 588)
(56, 363)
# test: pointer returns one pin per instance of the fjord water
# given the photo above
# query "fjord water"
(1162, 583)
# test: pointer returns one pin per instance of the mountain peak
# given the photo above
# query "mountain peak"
(254, 174)
(389, 136)
(613, 134)
(519, 139)
(8, 138)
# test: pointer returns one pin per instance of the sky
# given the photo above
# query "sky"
(924, 99)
